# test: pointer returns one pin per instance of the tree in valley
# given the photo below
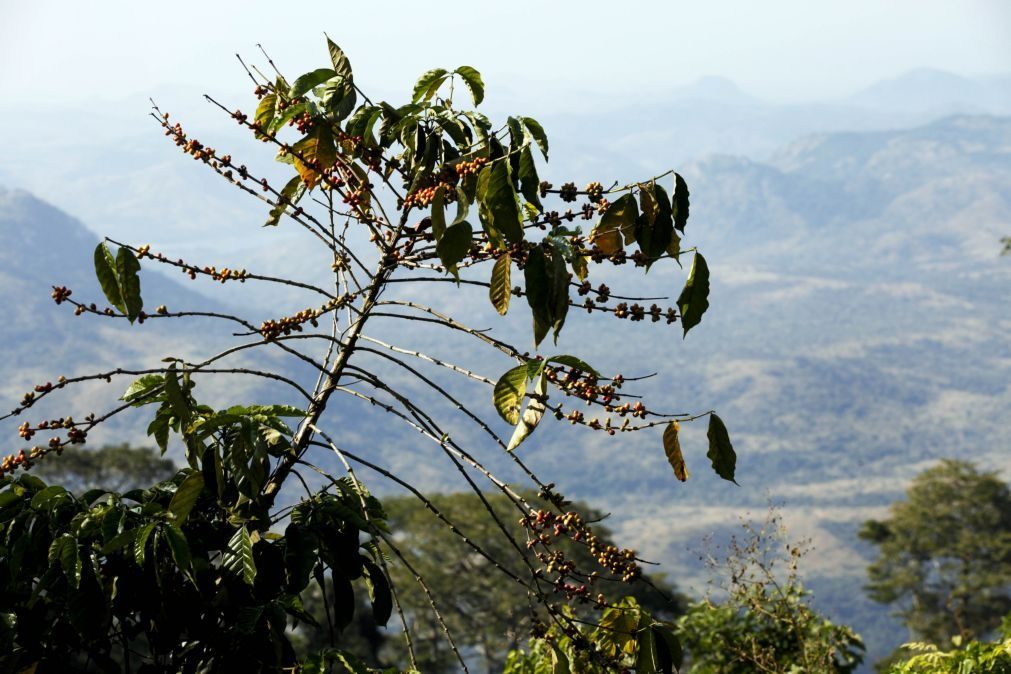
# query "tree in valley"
(764, 622)
(116, 468)
(944, 553)
(210, 569)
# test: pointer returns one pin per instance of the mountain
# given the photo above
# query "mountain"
(42, 247)
(936, 92)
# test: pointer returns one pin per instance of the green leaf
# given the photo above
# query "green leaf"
(500, 208)
(292, 192)
(672, 448)
(536, 131)
(669, 648)
(310, 80)
(379, 593)
(501, 284)
(143, 386)
(264, 114)
(647, 659)
(547, 281)
(617, 223)
(140, 543)
(105, 270)
(63, 551)
(454, 244)
(559, 661)
(127, 267)
(175, 396)
(509, 392)
(339, 97)
(179, 546)
(531, 415)
(721, 452)
(239, 555)
(694, 298)
(654, 228)
(341, 64)
(680, 203)
(529, 181)
(472, 78)
(120, 541)
(186, 497)
(462, 206)
(572, 361)
(535, 275)
(428, 84)
(300, 553)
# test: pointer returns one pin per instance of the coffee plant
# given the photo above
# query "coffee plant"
(206, 571)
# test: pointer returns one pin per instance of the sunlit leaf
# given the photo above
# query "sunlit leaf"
(105, 270)
(127, 267)
(428, 84)
(509, 392)
(313, 153)
(341, 64)
(617, 224)
(309, 81)
(290, 193)
(536, 131)
(472, 78)
(531, 415)
(186, 497)
(265, 114)
(63, 551)
(501, 284)
(239, 555)
(672, 448)
(500, 208)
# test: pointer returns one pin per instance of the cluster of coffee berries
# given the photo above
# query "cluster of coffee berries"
(304, 122)
(637, 312)
(594, 192)
(575, 383)
(272, 329)
(27, 431)
(60, 294)
(545, 526)
(466, 168)
(21, 459)
(423, 195)
(568, 192)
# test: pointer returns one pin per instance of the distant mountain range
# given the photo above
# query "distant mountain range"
(859, 327)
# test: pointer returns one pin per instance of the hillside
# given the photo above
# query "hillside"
(858, 332)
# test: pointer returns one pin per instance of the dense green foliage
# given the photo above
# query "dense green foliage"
(183, 576)
(626, 638)
(764, 623)
(974, 657)
(945, 553)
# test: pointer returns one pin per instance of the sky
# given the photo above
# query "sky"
(64, 52)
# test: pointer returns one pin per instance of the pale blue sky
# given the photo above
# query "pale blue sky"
(785, 50)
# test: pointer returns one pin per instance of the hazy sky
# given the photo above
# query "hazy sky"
(779, 49)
